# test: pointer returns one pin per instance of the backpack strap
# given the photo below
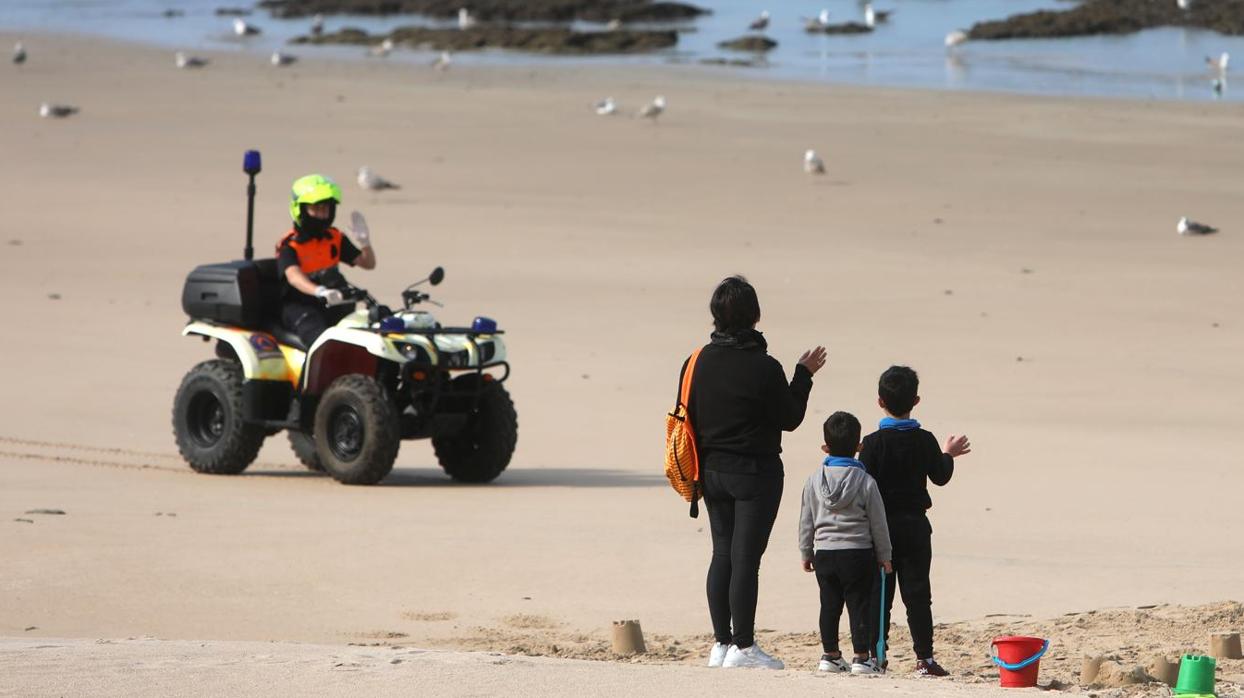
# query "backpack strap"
(684, 384)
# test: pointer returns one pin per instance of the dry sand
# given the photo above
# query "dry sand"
(1020, 252)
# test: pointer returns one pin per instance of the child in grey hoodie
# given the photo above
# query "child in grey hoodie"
(843, 537)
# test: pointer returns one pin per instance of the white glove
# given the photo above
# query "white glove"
(358, 226)
(331, 296)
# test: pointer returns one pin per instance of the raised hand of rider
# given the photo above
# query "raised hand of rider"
(331, 296)
(358, 227)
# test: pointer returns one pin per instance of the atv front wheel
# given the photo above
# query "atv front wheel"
(304, 448)
(207, 420)
(356, 431)
(482, 449)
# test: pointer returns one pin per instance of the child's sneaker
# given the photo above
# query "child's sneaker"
(717, 655)
(929, 667)
(750, 658)
(833, 665)
(866, 667)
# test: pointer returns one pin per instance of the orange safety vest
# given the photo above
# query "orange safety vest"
(314, 255)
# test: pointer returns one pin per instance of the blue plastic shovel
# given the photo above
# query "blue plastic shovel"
(881, 627)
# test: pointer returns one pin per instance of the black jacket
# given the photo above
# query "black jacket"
(903, 462)
(741, 403)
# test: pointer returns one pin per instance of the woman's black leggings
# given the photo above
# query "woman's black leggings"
(741, 511)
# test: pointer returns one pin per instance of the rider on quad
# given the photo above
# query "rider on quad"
(311, 251)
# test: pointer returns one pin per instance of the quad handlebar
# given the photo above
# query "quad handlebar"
(411, 296)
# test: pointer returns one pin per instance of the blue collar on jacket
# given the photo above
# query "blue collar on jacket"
(899, 424)
(842, 462)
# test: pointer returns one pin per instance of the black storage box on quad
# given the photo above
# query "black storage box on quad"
(241, 292)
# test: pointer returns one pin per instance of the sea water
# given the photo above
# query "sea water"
(907, 51)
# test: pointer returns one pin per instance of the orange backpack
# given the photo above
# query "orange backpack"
(682, 461)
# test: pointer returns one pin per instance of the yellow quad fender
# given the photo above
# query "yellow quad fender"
(261, 356)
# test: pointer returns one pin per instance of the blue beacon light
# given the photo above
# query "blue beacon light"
(484, 325)
(252, 163)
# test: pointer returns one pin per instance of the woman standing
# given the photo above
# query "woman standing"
(740, 404)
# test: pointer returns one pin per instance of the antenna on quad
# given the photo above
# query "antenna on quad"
(252, 164)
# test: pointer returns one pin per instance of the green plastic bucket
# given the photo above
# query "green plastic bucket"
(1196, 676)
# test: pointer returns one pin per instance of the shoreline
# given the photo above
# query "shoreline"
(516, 62)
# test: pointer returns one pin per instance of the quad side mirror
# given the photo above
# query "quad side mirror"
(437, 276)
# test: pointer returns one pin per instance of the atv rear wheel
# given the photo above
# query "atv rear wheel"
(356, 431)
(304, 448)
(482, 449)
(207, 420)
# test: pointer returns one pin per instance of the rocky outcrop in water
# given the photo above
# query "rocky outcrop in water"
(556, 40)
(754, 44)
(844, 28)
(1115, 17)
(496, 10)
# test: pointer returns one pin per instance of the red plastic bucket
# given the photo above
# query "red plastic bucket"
(1018, 660)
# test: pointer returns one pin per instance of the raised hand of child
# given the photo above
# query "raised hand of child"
(813, 359)
(957, 446)
(807, 566)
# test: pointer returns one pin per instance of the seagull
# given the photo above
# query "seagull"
(870, 16)
(1219, 63)
(317, 25)
(653, 110)
(760, 23)
(812, 163)
(382, 49)
(56, 111)
(465, 20)
(955, 38)
(606, 106)
(442, 61)
(241, 28)
(613, 25)
(1187, 227)
(19, 54)
(184, 61)
(372, 181)
(283, 59)
(1183, 4)
(816, 23)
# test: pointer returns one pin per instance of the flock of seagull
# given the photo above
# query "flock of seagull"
(812, 163)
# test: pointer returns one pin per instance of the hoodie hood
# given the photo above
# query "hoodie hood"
(841, 487)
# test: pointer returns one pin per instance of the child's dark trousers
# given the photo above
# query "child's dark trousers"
(845, 576)
(912, 539)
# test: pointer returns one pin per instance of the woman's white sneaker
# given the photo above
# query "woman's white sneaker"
(717, 655)
(750, 658)
(833, 665)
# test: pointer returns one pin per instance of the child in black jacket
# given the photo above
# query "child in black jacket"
(902, 457)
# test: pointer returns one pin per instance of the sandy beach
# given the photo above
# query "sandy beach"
(1020, 252)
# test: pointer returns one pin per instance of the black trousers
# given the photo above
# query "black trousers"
(309, 318)
(741, 511)
(846, 576)
(912, 539)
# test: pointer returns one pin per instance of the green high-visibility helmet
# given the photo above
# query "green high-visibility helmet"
(312, 189)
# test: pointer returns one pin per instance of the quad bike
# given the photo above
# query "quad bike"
(348, 400)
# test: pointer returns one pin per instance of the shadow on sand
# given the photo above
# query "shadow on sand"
(519, 477)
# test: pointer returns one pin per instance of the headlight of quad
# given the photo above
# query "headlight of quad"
(412, 352)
